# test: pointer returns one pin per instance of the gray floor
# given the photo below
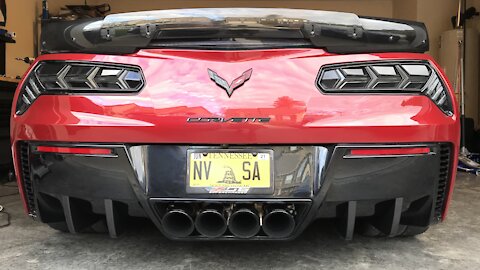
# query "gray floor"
(455, 244)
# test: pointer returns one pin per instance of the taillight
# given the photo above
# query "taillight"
(380, 77)
(59, 77)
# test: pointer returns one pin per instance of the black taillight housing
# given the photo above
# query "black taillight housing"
(65, 77)
(383, 77)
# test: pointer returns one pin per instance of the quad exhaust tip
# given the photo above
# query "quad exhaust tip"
(178, 223)
(211, 223)
(244, 223)
(278, 223)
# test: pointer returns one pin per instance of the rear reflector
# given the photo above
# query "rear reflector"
(390, 151)
(74, 150)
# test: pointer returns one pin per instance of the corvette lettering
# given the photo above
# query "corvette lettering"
(228, 120)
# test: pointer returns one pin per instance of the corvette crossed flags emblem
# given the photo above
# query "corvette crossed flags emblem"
(234, 85)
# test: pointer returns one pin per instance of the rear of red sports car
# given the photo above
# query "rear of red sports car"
(236, 124)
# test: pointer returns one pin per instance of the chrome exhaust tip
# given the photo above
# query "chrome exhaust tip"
(244, 223)
(178, 223)
(211, 222)
(278, 223)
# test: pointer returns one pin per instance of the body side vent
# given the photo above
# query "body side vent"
(24, 156)
(443, 179)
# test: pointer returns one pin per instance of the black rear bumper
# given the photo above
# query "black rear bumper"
(319, 181)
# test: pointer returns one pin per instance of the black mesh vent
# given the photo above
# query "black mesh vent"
(26, 177)
(445, 157)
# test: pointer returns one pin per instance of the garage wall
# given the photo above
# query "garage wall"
(405, 9)
(21, 18)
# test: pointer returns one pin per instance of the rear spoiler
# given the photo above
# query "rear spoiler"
(336, 32)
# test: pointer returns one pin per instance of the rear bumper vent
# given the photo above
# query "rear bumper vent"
(24, 158)
(444, 175)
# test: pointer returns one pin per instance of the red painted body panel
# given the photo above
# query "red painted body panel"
(282, 86)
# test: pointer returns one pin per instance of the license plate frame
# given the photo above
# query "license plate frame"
(232, 190)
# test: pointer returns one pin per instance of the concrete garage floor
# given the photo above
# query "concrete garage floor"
(455, 244)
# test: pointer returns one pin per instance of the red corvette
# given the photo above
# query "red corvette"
(236, 124)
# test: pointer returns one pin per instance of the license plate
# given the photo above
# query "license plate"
(230, 171)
